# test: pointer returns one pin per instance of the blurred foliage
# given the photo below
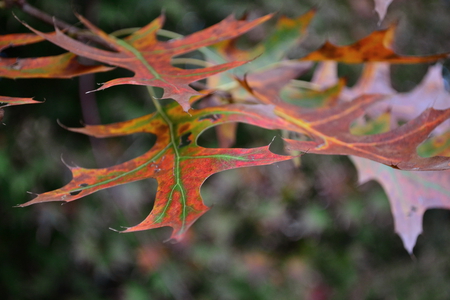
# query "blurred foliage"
(274, 232)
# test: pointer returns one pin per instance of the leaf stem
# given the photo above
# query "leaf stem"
(155, 100)
(169, 34)
(305, 84)
(124, 31)
(190, 61)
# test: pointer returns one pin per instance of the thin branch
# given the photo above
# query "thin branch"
(69, 29)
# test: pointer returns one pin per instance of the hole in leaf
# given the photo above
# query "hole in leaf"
(84, 185)
(213, 118)
(404, 78)
(244, 136)
(350, 71)
(185, 140)
(74, 193)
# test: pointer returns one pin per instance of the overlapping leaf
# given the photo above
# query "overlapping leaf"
(59, 66)
(313, 97)
(180, 166)
(176, 161)
(410, 195)
(375, 78)
(375, 47)
(403, 106)
(328, 127)
(273, 49)
(150, 59)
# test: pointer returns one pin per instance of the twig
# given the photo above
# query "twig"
(69, 29)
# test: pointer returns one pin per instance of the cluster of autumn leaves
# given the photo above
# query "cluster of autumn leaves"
(264, 93)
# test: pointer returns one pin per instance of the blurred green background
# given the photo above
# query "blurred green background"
(274, 232)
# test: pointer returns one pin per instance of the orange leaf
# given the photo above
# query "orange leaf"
(328, 127)
(375, 47)
(176, 161)
(150, 59)
(60, 66)
(18, 39)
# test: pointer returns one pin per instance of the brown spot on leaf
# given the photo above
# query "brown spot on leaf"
(185, 140)
(183, 128)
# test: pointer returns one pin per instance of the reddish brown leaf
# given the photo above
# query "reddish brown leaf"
(410, 195)
(18, 39)
(150, 59)
(176, 161)
(328, 127)
(375, 47)
(10, 101)
(272, 50)
(375, 78)
(60, 66)
(403, 106)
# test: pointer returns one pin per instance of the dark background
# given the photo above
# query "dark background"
(275, 232)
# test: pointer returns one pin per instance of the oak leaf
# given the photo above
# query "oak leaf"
(179, 165)
(375, 78)
(430, 92)
(272, 50)
(150, 59)
(328, 127)
(410, 195)
(374, 48)
(59, 66)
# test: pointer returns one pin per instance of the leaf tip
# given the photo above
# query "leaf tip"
(115, 230)
(409, 241)
(62, 125)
